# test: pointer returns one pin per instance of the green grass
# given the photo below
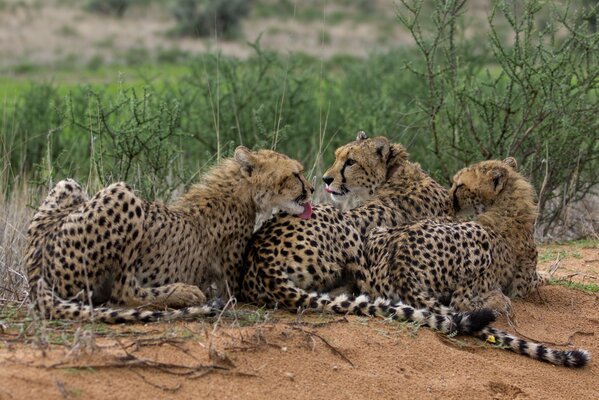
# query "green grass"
(589, 288)
(569, 249)
(110, 78)
(18, 321)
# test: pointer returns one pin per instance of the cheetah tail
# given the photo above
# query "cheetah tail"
(459, 322)
(466, 322)
(567, 358)
(57, 308)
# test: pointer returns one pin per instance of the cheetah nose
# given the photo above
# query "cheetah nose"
(328, 179)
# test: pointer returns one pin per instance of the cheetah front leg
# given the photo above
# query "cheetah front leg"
(525, 283)
(467, 299)
(174, 295)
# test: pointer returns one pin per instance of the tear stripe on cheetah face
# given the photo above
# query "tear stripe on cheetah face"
(131, 252)
(476, 264)
(361, 167)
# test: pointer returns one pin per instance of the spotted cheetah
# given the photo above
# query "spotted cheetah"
(460, 266)
(125, 251)
(291, 262)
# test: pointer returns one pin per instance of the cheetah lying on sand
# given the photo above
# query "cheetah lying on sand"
(462, 266)
(126, 251)
(292, 262)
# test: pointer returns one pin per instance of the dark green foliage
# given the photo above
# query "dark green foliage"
(540, 105)
(451, 100)
(109, 7)
(133, 137)
(209, 17)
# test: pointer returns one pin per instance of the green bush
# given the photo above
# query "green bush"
(209, 17)
(109, 7)
(451, 100)
(536, 98)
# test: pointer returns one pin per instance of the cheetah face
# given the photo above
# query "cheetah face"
(465, 201)
(360, 168)
(475, 188)
(278, 181)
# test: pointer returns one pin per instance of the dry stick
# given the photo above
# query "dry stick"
(568, 343)
(555, 265)
(258, 340)
(185, 351)
(566, 277)
(61, 388)
(135, 362)
(125, 362)
(458, 344)
(318, 324)
(333, 348)
(157, 386)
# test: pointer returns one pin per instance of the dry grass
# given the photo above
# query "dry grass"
(15, 214)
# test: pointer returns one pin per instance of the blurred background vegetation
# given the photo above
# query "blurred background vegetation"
(153, 92)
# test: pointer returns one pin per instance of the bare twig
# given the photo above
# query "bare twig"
(568, 343)
(318, 324)
(131, 361)
(330, 346)
(555, 265)
(569, 276)
(157, 386)
(61, 388)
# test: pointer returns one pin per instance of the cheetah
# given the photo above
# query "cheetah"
(461, 266)
(119, 249)
(292, 262)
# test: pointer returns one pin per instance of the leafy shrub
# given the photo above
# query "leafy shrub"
(109, 7)
(451, 100)
(536, 98)
(209, 17)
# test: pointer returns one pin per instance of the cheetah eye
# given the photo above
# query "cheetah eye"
(349, 162)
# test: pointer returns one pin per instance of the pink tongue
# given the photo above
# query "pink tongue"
(307, 211)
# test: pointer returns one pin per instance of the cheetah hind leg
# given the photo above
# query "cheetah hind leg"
(181, 295)
(174, 295)
(499, 302)
(465, 299)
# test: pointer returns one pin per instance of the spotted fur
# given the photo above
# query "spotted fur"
(292, 262)
(464, 266)
(125, 251)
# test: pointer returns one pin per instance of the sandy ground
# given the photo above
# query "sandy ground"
(318, 356)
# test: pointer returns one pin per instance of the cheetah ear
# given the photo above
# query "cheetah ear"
(361, 135)
(381, 147)
(511, 161)
(246, 160)
(498, 176)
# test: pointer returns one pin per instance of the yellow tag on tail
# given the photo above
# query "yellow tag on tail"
(491, 339)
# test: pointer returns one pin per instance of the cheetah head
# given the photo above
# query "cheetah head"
(476, 187)
(277, 181)
(361, 167)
